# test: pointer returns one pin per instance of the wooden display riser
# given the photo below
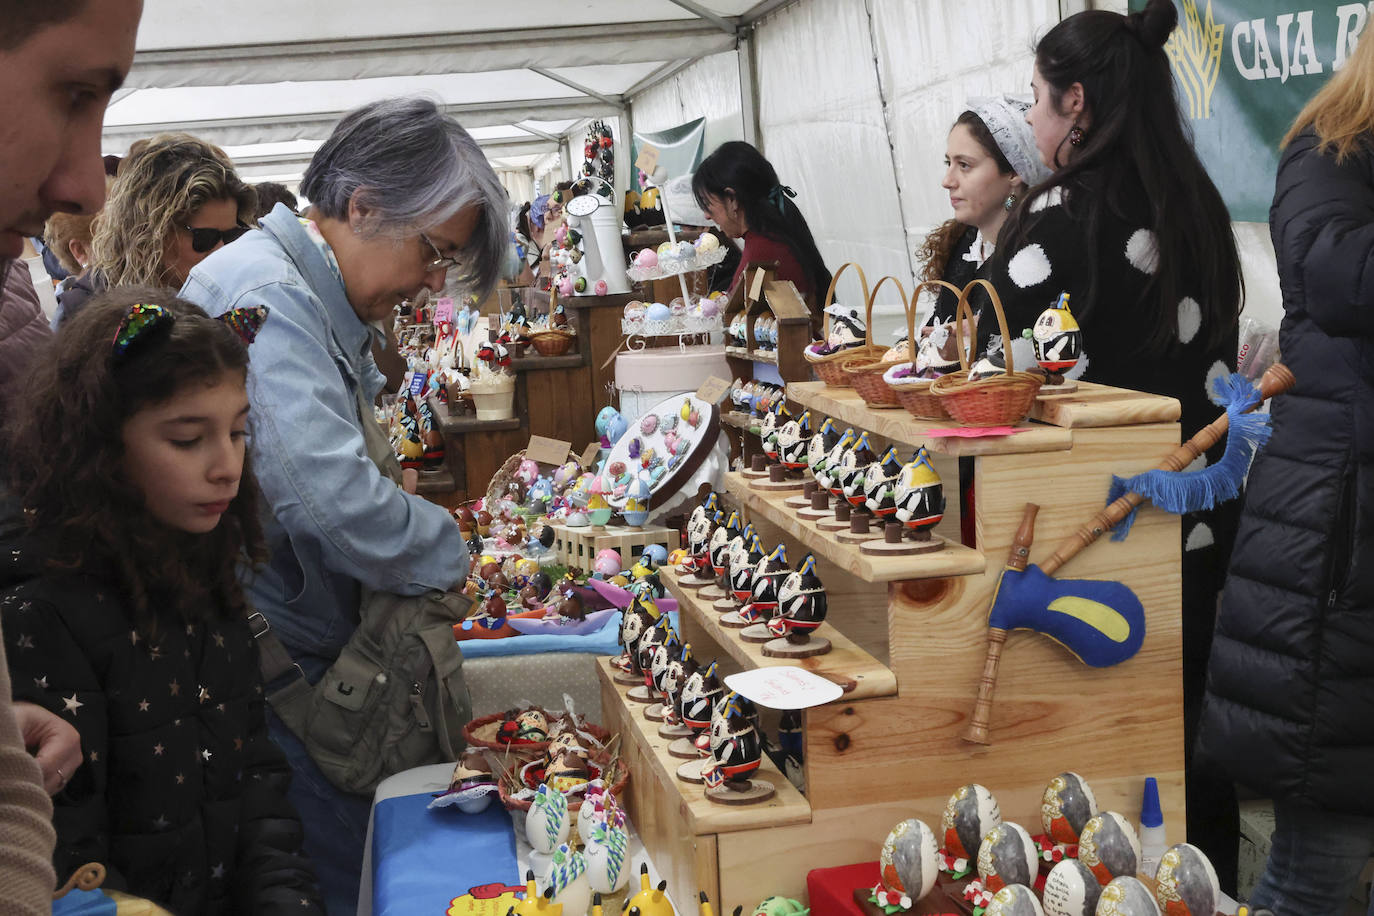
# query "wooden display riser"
(874, 760)
(579, 546)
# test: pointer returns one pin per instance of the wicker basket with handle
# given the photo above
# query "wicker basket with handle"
(865, 370)
(998, 400)
(828, 368)
(911, 392)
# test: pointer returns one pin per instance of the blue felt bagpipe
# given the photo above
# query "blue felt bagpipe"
(1102, 623)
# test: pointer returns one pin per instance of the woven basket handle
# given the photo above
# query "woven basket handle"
(911, 311)
(830, 293)
(868, 305)
(1001, 324)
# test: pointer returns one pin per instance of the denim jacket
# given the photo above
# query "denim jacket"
(333, 523)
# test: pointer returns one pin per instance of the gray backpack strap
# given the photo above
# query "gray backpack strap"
(291, 702)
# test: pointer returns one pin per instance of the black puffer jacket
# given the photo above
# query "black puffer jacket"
(181, 794)
(1290, 689)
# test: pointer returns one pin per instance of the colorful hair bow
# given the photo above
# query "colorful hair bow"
(246, 321)
(138, 324)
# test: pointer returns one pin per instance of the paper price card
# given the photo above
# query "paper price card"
(589, 455)
(784, 687)
(647, 160)
(713, 390)
(756, 287)
(543, 450)
(443, 311)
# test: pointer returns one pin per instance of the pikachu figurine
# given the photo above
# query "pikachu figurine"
(650, 900)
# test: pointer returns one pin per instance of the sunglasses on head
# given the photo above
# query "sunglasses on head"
(203, 240)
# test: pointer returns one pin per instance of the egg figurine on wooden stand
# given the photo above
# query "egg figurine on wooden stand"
(1109, 847)
(743, 559)
(801, 609)
(907, 863)
(828, 475)
(769, 574)
(1006, 856)
(650, 640)
(920, 500)
(1014, 900)
(736, 752)
(566, 883)
(635, 621)
(1186, 884)
(1056, 337)
(793, 442)
(970, 813)
(815, 493)
(880, 485)
(720, 543)
(1066, 807)
(679, 669)
(1071, 889)
(1126, 896)
(547, 823)
(695, 701)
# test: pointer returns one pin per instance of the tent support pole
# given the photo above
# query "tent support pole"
(748, 86)
(549, 74)
(701, 12)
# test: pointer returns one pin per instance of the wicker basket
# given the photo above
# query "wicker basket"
(828, 368)
(606, 765)
(496, 487)
(999, 400)
(865, 372)
(914, 393)
(552, 342)
(481, 732)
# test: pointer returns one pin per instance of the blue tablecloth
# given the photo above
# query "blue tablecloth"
(602, 642)
(422, 860)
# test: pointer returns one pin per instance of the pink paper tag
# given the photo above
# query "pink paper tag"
(973, 432)
(443, 311)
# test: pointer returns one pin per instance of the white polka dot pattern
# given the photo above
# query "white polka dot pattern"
(1029, 266)
(1054, 197)
(1142, 250)
(1189, 319)
(1200, 537)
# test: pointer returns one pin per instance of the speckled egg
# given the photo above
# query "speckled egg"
(1126, 896)
(908, 860)
(1108, 846)
(969, 814)
(1007, 855)
(1071, 889)
(1066, 807)
(1014, 900)
(1186, 884)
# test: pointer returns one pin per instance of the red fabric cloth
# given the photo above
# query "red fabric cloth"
(831, 890)
(761, 249)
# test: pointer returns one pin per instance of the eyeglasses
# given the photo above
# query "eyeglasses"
(440, 262)
(203, 240)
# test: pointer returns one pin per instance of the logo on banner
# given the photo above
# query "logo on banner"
(1194, 49)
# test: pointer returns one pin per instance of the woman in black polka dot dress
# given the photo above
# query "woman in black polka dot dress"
(1131, 226)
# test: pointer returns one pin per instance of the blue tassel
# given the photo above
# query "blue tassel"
(1190, 491)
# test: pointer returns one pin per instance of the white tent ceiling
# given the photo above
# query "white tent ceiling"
(267, 79)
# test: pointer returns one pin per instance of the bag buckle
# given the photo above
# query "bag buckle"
(258, 624)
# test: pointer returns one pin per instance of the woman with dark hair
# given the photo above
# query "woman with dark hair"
(740, 191)
(1131, 226)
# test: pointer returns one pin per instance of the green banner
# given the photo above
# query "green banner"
(1244, 69)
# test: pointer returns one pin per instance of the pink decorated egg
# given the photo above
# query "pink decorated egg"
(647, 259)
(600, 288)
(648, 424)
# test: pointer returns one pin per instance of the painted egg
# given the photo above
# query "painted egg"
(969, 814)
(694, 418)
(1066, 807)
(634, 311)
(908, 860)
(578, 519)
(686, 249)
(648, 424)
(607, 855)
(1014, 900)
(707, 242)
(580, 284)
(710, 308)
(547, 824)
(1126, 896)
(665, 250)
(1108, 846)
(677, 307)
(600, 288)
(1007, 855)
(1186, 884)
(657, 553)
(658, 312)
(567, 884)
(565, 286)
(1071, 890)
(647, 260)
(608, 556)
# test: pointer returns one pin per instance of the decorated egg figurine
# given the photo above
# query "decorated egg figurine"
(854, 467)
(1056, 337)
(735, 747)
(472, 786)
(769, 574)
(1071, 889)
(647, 259)
(1066, 807)
(794, 440)
(606, 563)
(636, 511)
(720, 541)
(697, 697)
(830, 468)
(801, 602)
(566, 883)
(1186, 884)
(547, 823)
(1126, 896)
(607, 855)
(635, 621)
(1014, 900)
(1108, 845)
(908, 862)
(880, 484)
(658, 311)
(822, 442)
(743, 559)
(1006, 856)
(847, 329)
(920, 495)
(970, 813)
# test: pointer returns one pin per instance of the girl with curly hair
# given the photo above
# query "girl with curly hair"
(123, 613)
(176, 199)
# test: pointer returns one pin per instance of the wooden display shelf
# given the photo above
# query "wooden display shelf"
(954, 560)
(737, 352)
(787, 806)
(859, 674)
(736, 418)
(845, 405)
(535, 363)
(436, 481)
(458, 425)
(1101, 405)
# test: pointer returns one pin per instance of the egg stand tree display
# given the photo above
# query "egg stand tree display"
(909, 638)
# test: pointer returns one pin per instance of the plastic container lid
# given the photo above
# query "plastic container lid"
(1150, 813)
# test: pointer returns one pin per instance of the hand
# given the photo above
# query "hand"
(55, 743)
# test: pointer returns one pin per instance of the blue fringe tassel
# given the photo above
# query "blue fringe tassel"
(1190, 491)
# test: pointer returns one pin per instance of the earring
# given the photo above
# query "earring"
(1009, 202)
(1076, 135)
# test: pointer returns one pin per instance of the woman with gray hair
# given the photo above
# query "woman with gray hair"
(401, 198)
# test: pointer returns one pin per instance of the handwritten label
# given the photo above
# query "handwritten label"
(784, 687)
(589, 455)
(544, 450)
(647, 160)
(975, 432)
(417, 383)
(443, 311)
(756, 287)
(713, 390)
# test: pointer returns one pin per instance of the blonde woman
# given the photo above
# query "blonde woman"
(177, 198)
(1290, 686)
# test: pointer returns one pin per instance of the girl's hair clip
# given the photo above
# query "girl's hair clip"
(140, 323)
(246, 321)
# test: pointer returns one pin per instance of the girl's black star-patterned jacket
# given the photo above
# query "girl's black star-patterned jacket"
(181, 794)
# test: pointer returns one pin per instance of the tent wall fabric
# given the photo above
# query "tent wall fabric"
(709, 89)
